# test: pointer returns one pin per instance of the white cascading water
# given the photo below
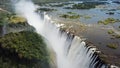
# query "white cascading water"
(71, 51)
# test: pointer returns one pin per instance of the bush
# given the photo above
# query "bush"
(27, 46)
(108, 21)
(71, 13)
(117, 36)
(70, 16)
(87, 17)
(110, 31)
(110, 13)
(16, 19)
(112, 45)
(85, 5)
(3, 17)
(46, 9)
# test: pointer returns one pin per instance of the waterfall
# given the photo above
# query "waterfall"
(71, 51)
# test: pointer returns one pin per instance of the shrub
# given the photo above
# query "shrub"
(110, 31)
(46, 9)
(70, 16)
(108, 21)
(87, 17)
(117, 36)
(26, 46)
(71, 13)
(16, 19)
(3, 17)
(112, 45)
(84, 5)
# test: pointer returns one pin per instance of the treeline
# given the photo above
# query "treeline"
(37, 1)
(24, 49)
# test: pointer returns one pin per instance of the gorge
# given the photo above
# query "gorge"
(59, 34)
(71, 51)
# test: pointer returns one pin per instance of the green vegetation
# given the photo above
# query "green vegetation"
(87, 17)
(46, 9)
(3, 17)
(85, 5)
(3, 20)
(25, 49)
(11, 22)
(110, 31)
(23, 42)
(39, 1)
(71, 13)
(110, 13)
(16, 19)
(108, 21)
(112, 45)
(117, 36)
(70, 16)
(10, 18)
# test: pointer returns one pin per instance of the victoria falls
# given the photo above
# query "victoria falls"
(59, 34)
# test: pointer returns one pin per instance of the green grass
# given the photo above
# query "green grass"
(110, 31)
(10, 18)
(85, 5)
(112, 46)
(70, 16)
(16, 19)
(87, 17)
(46, 9)
(117, 36)
(71, 13)
(47, 1)
(108, 21)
